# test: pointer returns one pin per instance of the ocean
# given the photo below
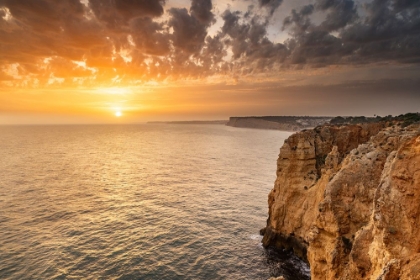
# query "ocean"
(146, 201)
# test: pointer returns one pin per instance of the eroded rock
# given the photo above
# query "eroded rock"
(347, 200)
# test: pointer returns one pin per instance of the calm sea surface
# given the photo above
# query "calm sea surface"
(151, 201)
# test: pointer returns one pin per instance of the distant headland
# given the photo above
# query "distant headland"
(191, 122)
(286, 123)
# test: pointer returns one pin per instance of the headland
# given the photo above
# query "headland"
(347, 199)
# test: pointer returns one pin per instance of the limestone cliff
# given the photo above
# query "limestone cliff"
(347, 200)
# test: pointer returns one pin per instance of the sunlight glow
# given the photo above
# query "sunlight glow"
(118, 114)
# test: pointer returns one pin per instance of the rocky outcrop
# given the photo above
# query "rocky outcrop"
(347, 200)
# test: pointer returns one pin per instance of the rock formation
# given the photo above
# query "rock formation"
(347, 200)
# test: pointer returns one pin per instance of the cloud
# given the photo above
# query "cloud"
(149, 36)
(300, 19)
(201, 10)
(251, 49)
(270, 5)
(340, 13)
(137, 40)
(4, 76)
(190, 29)
(135, 8)
(188, 32)
(385, 33)
(116, 13)
(44, 15)
(404, 4)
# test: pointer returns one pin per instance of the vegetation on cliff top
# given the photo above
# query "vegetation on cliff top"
(403, 119)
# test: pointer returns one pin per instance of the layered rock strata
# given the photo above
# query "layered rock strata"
(347, 200)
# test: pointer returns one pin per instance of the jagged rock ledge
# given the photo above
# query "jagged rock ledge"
(347, 200)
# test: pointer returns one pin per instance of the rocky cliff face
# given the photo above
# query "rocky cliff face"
(347, 200)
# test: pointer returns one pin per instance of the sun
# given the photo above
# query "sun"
(118, 114)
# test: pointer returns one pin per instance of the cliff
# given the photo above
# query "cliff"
(285, 123)
(347, 200)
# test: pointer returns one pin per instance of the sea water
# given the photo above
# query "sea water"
(146, 201)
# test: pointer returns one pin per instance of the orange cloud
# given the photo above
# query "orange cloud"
(54, 55)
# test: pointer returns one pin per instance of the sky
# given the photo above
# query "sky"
(129, 61)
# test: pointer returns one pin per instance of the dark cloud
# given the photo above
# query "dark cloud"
(188, 32)
(316, 49)
(117, 13)
(251, 48)
(213, 52)
(340, 13)
(149, 36)
(236, 31)
(385, 33)
(136, 8)
(384, 23)
(271, 5)
(300, 19)
(105, 12)
(404, 4)
(201, 10)
(131, 40)
(190, 29)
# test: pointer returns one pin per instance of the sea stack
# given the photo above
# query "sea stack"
(347, 200)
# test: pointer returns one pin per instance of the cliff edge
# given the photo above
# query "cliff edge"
(347, 200)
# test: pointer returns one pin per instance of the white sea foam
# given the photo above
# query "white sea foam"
(256, 237)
